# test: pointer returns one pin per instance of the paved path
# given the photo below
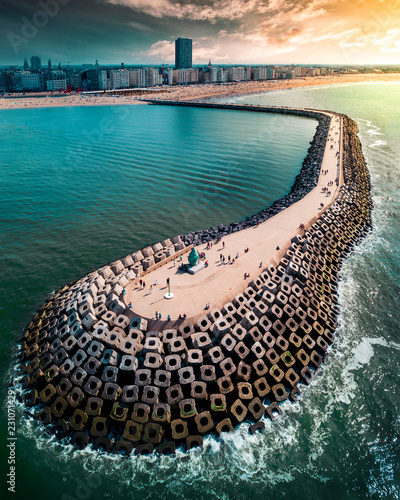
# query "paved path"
(220, 282)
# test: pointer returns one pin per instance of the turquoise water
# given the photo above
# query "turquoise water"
(342, 439)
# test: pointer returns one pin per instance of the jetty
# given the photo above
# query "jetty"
(203, 331)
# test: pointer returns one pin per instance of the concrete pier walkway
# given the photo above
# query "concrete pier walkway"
(221, 281)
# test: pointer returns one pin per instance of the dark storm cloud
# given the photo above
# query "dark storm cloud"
(80, 32)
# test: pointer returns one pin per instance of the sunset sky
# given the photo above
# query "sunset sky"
(225, 31)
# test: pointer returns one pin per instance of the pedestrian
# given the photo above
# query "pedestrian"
(237, 255)
(223, 244)
(169, 317)
(144, 285)
(260, 264)
(184, 316)
(156, 283)
(124, 291)
(140, 282)
(130, 305)
(159, 315)
(151, 288)
(156, 315)
(229, 258)
(174, 263)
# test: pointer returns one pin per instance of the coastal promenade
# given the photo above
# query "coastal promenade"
(221, 281)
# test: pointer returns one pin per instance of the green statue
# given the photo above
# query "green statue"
(193, 257)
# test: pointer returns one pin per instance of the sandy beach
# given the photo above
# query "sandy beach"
(194, 92)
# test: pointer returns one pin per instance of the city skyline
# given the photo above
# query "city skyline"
(245, 32)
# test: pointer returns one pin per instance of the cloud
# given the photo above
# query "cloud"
(203, 50)
(219, 9)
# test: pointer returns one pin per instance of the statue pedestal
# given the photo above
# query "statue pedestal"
(198, 267)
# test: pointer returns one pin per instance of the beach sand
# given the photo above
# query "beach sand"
(196, 92)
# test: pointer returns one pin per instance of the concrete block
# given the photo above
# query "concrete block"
(138, 324)
(186, 375)
(127, 261)
(150, 394)
(117, 267)
(143, 377)
(147, 263)
(224, 426)
(89, 320)
(238, 411)
(225, 385)
(262, 388)
(207, 373)
(162, 378)
(173, 362)
(117, 307)
(147, 252)
(174, 394)
(187, 408)
(161, 413)
(153, 361)
(256, 408)
(204, 422)
(221, 327)
(198, 390)
(260, 367)
(141, 413)
(176, 239)
(179, 429)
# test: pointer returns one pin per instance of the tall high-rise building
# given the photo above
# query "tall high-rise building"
(183, 53)
(36, 63)
(26, 65)
(49, 65)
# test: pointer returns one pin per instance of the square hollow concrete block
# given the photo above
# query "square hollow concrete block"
(100, 299)
(157, 247)
(99, 282)
(169, 251)
(147, 252)
(117, 289)
(123, 281)
(179, 246)
(176, 239)
(117, 267)
(166, 243)
(104, 290)
(137, 268)
(89, 320)
(154, 345)
(159, 257)
(137, 257)
(117, 307)
(147, 263)
(138, 324)
(76, 329)
(127, 261)
(90, 289)
(130, 275)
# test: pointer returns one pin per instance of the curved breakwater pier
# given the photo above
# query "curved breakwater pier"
(97, 369)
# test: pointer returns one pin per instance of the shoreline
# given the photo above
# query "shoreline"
(196, 92)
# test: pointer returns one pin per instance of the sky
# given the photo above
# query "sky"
(344, 32)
